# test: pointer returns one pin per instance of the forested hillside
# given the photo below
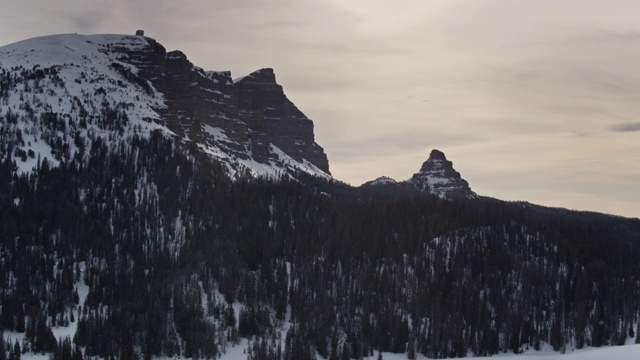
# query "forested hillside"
(181, 261)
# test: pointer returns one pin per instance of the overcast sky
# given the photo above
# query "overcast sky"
(534, 100)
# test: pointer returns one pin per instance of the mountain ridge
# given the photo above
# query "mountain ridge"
(246, 123)
(249, 126)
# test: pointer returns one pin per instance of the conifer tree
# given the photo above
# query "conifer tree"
(16, 354)
(3, 353)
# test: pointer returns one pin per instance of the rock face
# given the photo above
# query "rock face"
(253, 112)
(437, 176)
(249, 126)
(263, 106)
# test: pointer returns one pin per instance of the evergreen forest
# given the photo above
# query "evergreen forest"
(149, 249)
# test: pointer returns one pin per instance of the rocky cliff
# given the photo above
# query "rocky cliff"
(437, 176)
(263, 106)
(253, 111)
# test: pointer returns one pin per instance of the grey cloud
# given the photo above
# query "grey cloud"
(627, 127)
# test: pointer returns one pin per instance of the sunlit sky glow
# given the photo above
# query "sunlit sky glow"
(534, 100)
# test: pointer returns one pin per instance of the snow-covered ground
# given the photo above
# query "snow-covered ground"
(627, 352)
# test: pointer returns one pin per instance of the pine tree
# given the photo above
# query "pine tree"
(411, 350)
(16, 354)
(3, 353)
(345, 352)
(77, 353)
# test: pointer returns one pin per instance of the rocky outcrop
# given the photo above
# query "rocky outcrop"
(253, 111)
(437, 176)
(273, 118)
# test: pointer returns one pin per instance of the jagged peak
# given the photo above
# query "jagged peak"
(265, 75)
(176, 55)
(436, 159)
(437, 176)
(264, 71)
(437, 155)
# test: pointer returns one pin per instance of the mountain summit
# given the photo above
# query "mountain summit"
(437, 176)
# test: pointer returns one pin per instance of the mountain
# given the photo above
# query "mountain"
(436, 177)
(151, 209)
(248, 125)
(381, 181)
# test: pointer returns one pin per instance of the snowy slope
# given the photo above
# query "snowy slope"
(217, 144)
(84, 63)
(62, 79)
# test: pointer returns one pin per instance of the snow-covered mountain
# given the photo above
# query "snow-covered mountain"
(60, 92)
(436, 176)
